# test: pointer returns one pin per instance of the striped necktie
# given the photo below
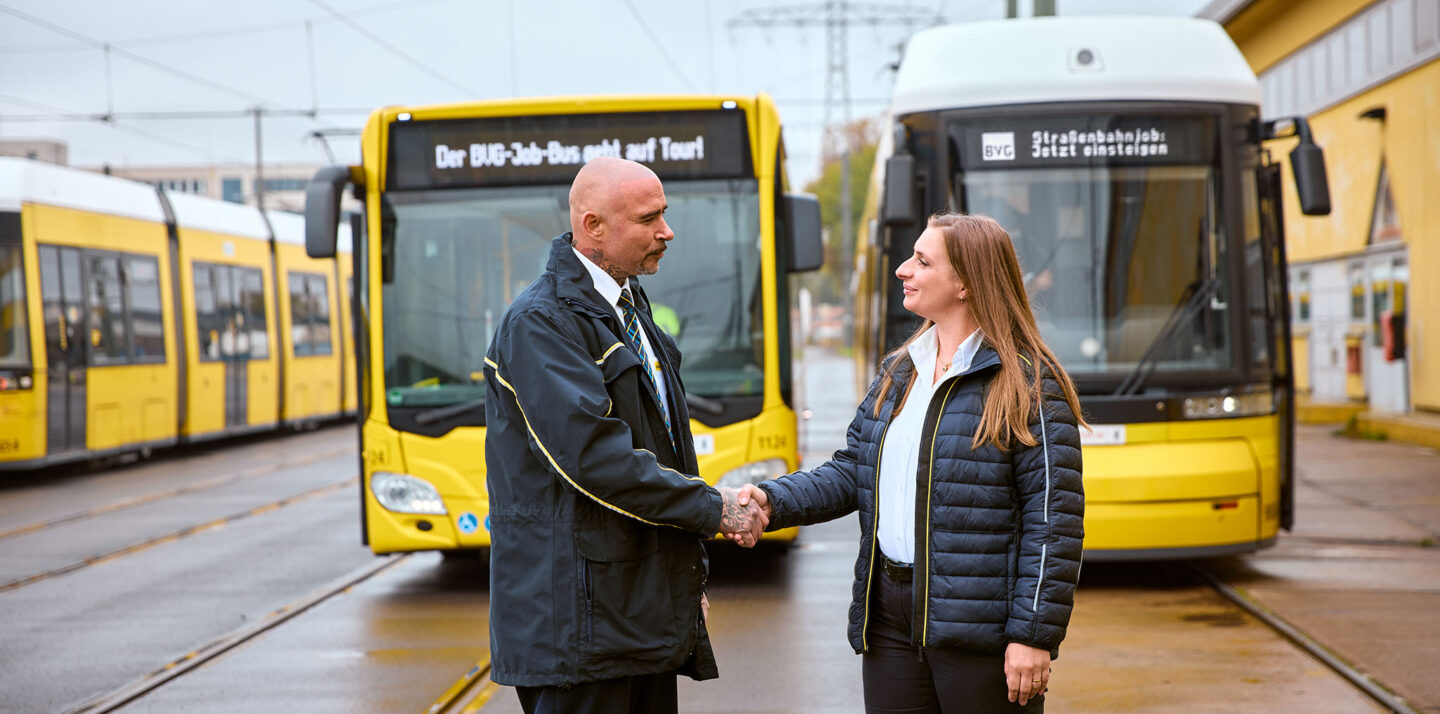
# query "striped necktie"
(632, 335)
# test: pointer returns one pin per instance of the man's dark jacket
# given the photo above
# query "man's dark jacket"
(998, 534)
(596, 516)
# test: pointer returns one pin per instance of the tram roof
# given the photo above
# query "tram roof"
(289, 227)
(207, 214)
(1034, 60)
(28, 181)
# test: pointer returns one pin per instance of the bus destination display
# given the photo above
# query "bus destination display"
(1085, 140)
(506, 151)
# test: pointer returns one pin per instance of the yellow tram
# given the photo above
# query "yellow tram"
(132, 319)
(1125, 158)
(461, 202)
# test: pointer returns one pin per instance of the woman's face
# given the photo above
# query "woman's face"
(932, 289)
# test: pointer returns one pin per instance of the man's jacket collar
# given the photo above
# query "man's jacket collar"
(573, 284)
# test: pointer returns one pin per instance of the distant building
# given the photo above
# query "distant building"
(1365, 280)
(47, 150)
(284, 183)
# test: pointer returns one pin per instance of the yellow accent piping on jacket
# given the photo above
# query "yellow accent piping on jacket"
(929, 492)
(556, 465)
(606, 356)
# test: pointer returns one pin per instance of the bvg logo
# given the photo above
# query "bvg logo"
(998, 145)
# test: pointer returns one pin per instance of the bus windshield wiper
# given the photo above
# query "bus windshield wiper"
(704, 404)
(449, 411)
(1196, 296)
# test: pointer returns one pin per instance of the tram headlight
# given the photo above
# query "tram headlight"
(753, 473)
(1236, 405)
(403, 493)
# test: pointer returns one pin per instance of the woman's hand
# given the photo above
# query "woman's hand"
(1027, 671)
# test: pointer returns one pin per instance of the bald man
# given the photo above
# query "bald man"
(597, 514)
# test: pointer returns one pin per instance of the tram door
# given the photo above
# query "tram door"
(234, 345)
(62, 289)
(1277, 311)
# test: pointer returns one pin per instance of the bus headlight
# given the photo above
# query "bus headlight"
(403, 493)
(1235, 405)
(753, 473)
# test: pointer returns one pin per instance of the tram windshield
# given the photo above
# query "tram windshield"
(454, 260)
(14, 330)
(1124, 258)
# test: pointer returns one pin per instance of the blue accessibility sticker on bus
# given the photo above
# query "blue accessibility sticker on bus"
(468, 522)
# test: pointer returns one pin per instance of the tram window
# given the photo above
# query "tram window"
(319, 314)
(207, 322)
(309, 314)
(147, 326)
(14, 330)
(252, 301)
(107, 311)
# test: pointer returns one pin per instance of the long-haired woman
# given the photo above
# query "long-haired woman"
(964, 462)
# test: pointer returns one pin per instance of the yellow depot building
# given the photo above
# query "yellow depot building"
(1364, 293)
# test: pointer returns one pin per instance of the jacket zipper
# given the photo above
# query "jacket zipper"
(929, 492)
(589, 600)
(874, 536)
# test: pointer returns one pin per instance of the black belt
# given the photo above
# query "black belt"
(899, 572)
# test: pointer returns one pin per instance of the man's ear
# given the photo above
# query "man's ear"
(592, 224)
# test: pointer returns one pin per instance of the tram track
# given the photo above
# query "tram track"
(126, 503)
(469, 693)
(177, 667)
(1376, 691)
(132, 548)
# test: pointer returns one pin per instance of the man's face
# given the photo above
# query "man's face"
(637, 234)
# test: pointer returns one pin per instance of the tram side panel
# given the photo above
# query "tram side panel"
(311, 380)
(129, 380)
(233, 367)
(22, 321)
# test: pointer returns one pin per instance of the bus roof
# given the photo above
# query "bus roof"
(27, 181)
(1039, 60)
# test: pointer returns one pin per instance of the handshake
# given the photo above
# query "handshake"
(744, 513)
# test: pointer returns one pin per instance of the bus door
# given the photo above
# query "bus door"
(234, 344)
(1272, 240)
(62, 289)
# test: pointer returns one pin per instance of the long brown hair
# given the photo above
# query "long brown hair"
(983, 257)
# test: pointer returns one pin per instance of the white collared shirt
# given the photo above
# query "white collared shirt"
(900, 452)
(610, 290)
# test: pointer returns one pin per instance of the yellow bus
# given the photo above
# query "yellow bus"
(133, 318)
(461, 202)
(1125, 158)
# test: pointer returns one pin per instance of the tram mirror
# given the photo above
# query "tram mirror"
(1308, 162)
(899, 208)
(322, 210)
(807, 247)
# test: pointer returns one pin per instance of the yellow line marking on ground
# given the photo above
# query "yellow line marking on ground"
(190, 488)
(177, 535)
(481, 698)
(460, 687)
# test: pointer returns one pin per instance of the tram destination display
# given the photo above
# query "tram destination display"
(548, 149)
(1034, 142)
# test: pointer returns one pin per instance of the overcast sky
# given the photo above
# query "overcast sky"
(209, 56)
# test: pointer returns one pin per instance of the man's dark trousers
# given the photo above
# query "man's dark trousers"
(643, 694)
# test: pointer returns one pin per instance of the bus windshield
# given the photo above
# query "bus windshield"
(1123, 263)
(454, 260)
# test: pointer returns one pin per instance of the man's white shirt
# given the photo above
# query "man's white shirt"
(610, 290)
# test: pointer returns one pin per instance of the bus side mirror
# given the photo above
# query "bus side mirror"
(322, 210)
(899, 208)
(1307, 161)
(807, 247)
